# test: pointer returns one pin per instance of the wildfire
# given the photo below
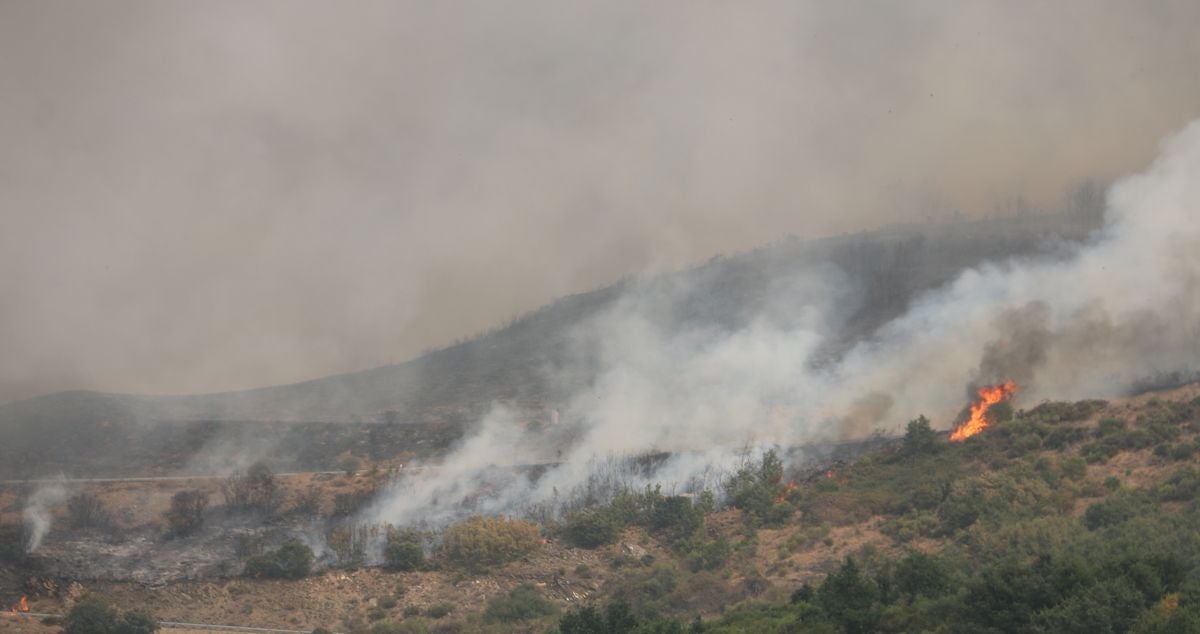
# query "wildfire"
(986, 397)
(21, 606)
(791, 486)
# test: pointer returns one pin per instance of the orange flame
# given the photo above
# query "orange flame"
(987, 396)
(21, 606)
(791, 486)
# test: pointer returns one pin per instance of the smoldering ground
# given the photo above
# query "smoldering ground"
(1094, 321)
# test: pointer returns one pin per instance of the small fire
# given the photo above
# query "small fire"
(791, 486)
(987, 396)
(21, 606)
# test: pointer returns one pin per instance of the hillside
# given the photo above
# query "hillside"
(1066, 517)
(532, 364)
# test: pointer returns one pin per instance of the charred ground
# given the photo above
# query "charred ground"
(1065, 517)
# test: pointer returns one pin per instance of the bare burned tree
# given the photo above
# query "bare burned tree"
(255, 490)
(85, 510)
(186, 514)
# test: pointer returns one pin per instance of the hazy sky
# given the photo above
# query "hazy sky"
(202, 196)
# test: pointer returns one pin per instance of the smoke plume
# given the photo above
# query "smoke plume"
(37, 513)
(1093, 321)
(206, 196)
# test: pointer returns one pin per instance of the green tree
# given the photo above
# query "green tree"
(523, 603)
(919, 437)
(480, 542)
(403, 551)
(93, 615)
(756, 490)
(848, 598)
(921, 575)
(292, 560)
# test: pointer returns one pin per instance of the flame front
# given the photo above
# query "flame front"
(782, 497)
(20, 606)
(986, 397)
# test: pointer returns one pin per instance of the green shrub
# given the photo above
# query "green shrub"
(848, 598)
(1060, 437)
(1116, 509)
(1109, 426)
(1060, 412)
(95, 616)
(675, 515)
(439, 610)
(523, 603)
(919, 437)
(617, 617)
(1180, 486)
(756, 489)
(705, 553)
(1183, 451)
(921, 575)
(480, 542)
(407, 626)
(1098, 452)
(403, 551)
(591, 528)
(292, 560)
(1074, 468)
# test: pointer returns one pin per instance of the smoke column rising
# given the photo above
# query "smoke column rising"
(1121, 308)
(38, 512)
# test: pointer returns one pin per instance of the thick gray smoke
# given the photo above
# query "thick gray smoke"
(1094, 321)
(205, 196)
(38, 512)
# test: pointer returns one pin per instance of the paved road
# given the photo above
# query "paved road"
(211, 627)
(169, 478)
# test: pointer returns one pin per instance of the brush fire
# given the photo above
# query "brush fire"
(985, 397)
(20, 606)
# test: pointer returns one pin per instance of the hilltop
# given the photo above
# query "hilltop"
(531, 365)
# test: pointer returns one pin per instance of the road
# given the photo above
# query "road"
(166, 478)
(204, 627)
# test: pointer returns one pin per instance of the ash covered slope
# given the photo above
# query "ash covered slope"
(541, 358)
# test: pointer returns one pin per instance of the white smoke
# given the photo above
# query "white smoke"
(37, 514)
(1090, 322)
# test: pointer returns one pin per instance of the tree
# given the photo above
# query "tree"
(919, 437)
(292, 560)
(186, 514)
(95, 616)
(85, 510)
(591, 528)
(403, 551)
(480, 542)
(617, 617)
(921, 575)
(848, 598)
(256, 489)
(521, 604)
(756, 490)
